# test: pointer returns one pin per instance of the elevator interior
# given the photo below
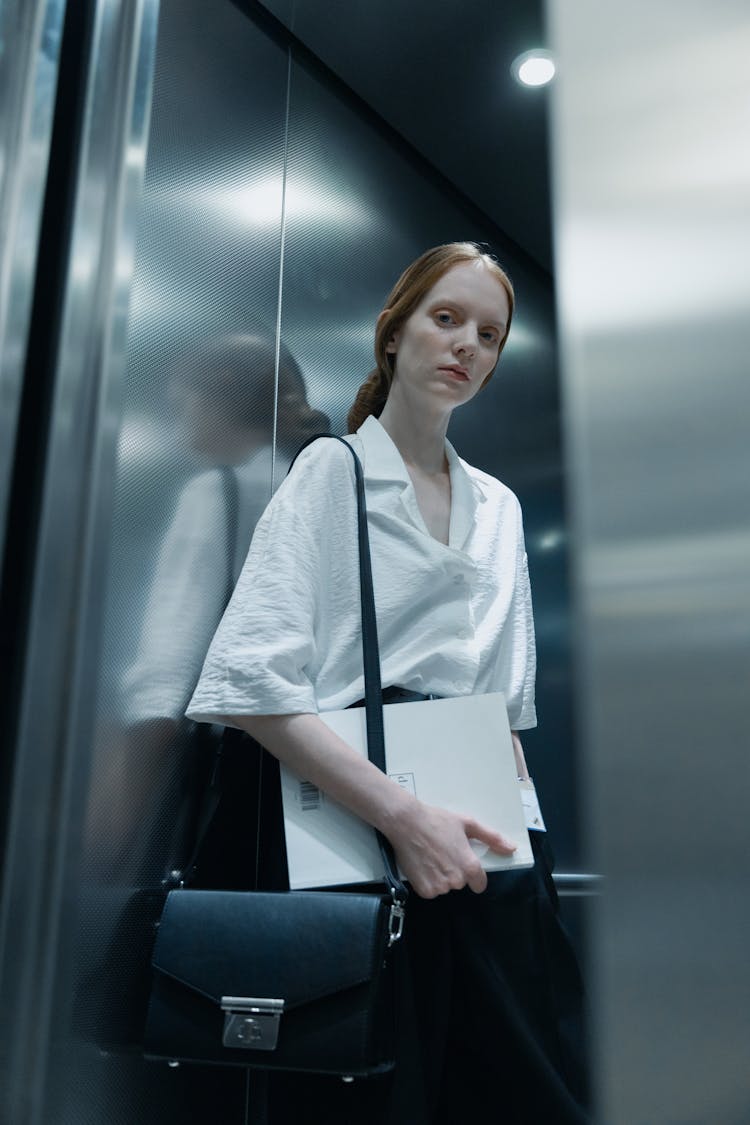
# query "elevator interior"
(196, 191)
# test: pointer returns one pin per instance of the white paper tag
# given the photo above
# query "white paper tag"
(532, 812)
(406, 781)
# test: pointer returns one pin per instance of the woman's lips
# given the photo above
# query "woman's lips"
(458, 373)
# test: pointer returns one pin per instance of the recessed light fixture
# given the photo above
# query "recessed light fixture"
(533, 68)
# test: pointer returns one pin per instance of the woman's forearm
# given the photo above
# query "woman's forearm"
(314, 752)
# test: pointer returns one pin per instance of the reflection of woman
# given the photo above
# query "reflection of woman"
(485, 1019)
(225, 396)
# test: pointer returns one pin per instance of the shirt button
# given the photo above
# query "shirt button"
(458, 580)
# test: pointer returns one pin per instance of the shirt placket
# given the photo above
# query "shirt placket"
(461, 571)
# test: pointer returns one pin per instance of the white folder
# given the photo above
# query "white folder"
(453, 753)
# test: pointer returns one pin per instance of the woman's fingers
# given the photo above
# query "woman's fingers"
(496, 842)
(434, 850)
(477, 880)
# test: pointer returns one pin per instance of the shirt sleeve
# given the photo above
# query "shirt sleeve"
(263, 655)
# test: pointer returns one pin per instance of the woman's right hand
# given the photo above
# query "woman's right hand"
(434, 853)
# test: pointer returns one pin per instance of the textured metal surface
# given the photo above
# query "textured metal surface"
(652, 187)
(30, 35)
(440, 74)
(51, 741)
(192, 471)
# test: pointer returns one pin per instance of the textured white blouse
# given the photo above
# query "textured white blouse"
(452, 620)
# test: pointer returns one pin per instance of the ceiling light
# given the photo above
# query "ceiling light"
(533, 68)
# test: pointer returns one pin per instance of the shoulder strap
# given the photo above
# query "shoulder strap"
(371, 660)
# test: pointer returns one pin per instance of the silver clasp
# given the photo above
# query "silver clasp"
(395, 920)
(250, 1022)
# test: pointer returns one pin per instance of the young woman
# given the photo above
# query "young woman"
(491, 995)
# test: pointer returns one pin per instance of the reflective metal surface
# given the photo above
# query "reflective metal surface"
(55, 711)
(30, 33)
(652, 181)
(441, 75)
(192, 468)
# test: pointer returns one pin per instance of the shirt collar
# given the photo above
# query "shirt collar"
(382, 460)
(383, 463)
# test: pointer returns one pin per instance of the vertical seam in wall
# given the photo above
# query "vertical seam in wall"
(281, 271)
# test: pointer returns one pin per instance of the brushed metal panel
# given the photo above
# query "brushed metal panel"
(30, 34)
(652, 181)
(52, 713)
(190, 449)
(440, 74)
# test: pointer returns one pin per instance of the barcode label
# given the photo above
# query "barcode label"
(309, 796)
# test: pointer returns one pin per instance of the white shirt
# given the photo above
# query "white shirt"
(452, 620)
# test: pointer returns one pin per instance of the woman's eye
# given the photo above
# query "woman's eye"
(444, 318)
(489, 336)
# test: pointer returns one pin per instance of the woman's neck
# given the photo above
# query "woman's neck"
(420, 441)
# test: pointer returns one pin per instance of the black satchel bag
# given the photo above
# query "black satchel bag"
(295, 980)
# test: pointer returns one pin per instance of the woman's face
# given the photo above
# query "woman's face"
(449, 344)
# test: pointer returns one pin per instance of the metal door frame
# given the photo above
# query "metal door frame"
(75, 492)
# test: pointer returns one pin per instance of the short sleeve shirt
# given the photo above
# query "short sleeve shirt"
(453, 619)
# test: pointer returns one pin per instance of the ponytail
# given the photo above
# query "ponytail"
(370, 399)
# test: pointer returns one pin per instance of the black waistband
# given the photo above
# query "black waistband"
(399, 695)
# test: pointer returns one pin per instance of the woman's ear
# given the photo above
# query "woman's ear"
(390, 347)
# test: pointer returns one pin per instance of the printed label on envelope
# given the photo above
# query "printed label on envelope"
(405, 780)
(532, 812)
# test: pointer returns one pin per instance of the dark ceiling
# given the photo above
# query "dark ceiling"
(438, 71)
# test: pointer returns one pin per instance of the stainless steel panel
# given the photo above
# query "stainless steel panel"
(652, 179)
(190, 437)
(30, 34)
(440, 74)
(55, 709)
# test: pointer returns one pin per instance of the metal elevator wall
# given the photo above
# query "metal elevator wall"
(652, 183)
(227, 263)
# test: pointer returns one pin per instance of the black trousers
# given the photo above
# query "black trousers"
(490, 1018)
(490, 998)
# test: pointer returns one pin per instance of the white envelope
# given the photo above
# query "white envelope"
(453, 753)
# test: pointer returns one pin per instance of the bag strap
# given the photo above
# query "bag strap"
(373, 686)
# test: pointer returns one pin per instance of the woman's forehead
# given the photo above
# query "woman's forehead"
(471, 283)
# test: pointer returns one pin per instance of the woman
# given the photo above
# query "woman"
(480, 1028)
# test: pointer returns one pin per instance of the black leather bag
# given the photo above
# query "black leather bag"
(295, 980)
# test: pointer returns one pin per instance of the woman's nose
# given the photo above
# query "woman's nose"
(467, 340)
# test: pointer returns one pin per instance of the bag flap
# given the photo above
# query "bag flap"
(298, 946)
